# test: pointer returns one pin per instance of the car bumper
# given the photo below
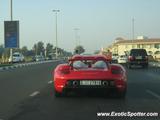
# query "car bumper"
(138, 63)
(121, 61)
(119, 85)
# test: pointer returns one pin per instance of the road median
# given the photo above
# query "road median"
(18, 65)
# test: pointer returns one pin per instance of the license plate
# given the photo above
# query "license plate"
(90, 82)
(139, 57)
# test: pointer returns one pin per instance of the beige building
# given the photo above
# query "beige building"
(122, 47)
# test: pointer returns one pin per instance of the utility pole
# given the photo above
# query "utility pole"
(11, 15)
(133, 29)
(56, 11)
(11, 10)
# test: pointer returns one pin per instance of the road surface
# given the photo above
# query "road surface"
(27, 94)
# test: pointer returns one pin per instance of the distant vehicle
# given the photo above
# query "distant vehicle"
(38, 58)
(114, 58)
(47, 58)
(157, 55)
(16, 57)
(137, 57)
(91, 72)
(150, 58)
(107, 54)
(122, 59)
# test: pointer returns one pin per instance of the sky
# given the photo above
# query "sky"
(99, 22)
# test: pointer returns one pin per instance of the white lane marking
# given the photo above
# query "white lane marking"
(34, 94)
(153, 94)
(50, 82)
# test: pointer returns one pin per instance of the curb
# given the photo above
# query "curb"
(25, 64)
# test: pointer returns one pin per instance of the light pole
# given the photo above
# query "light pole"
(11, 15)
(56, 11)
(132, 29)
(11, 10)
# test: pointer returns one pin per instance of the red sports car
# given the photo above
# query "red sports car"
(92, 71)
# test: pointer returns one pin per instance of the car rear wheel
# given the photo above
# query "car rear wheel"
(121, 94)
(145, 66)
(129, 66)
(57, 94)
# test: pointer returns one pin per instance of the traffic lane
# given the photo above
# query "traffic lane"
(46, 106)
(17, 84)
(151, 81)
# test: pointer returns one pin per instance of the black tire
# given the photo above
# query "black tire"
(145, 66)
(57, 94)
(129, 66)
(121, 94)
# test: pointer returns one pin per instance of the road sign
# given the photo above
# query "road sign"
(11, 35)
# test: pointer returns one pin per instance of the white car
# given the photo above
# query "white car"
(16, 57)
(39, 58)
(122, 59)
(114, 58)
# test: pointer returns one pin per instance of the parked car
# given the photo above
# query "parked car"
(38, 58)
(16, 57)
(91, 72)
(114, 58)
(122, 59)
(157, 55)
(150, 58)
(137, 57)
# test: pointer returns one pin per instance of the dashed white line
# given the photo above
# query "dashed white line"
(34, 94)
(153, 94)
(50, 82)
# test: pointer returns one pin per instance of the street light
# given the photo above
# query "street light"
(11, 10)
(56, 11)
(133, 20)
(11, 15)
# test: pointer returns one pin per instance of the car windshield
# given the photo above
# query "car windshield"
(79, 65)
(100, 65)
(16, 55)
(89, 64)
(138, 52)
(115, 55)
(122, 56)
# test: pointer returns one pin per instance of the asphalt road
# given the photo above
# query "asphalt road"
(18, 84)
(27, 94)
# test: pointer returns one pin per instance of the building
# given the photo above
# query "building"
(122, 46)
